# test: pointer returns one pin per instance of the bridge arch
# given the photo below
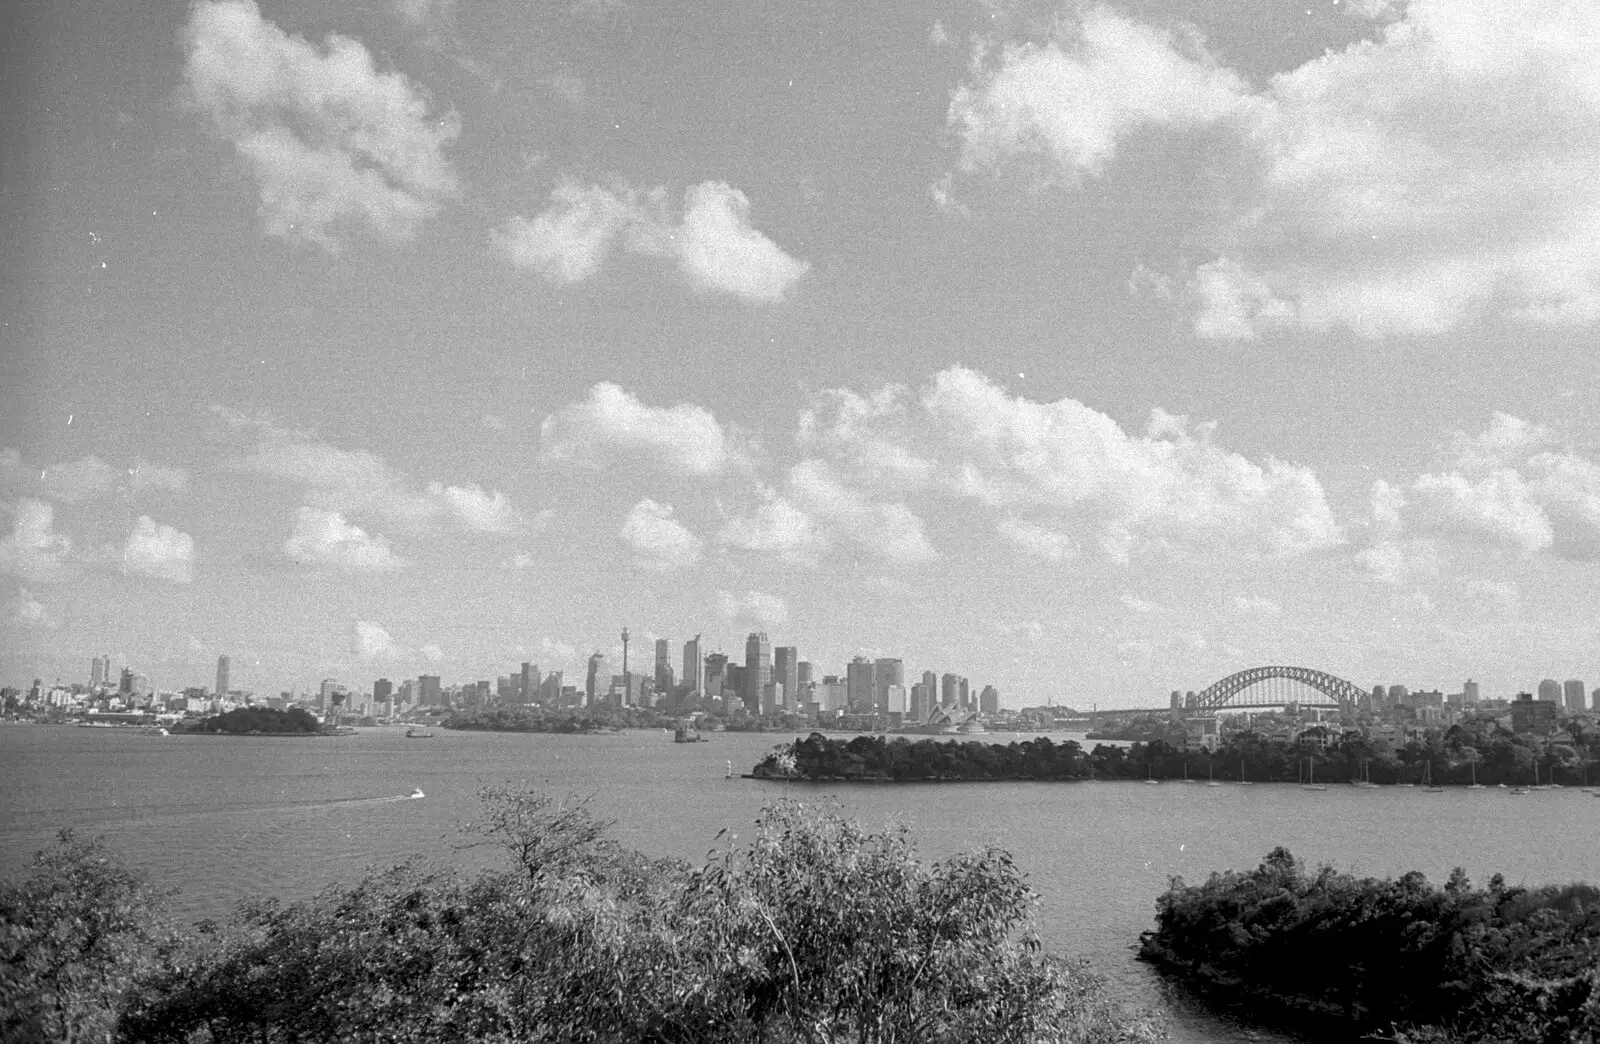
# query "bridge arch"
(1346, 694)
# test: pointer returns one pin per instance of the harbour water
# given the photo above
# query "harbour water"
(223, 818)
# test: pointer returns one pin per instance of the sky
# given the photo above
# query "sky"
(1089, 351)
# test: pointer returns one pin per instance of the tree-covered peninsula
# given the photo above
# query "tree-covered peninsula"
(264, 721)
(1398, 958)
(811, 931)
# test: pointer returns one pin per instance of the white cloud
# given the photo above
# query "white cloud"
(145, 477)
(889, 530)
(967, 437)
(611, 423)
(1038, 541)
(1441, 172)
(33, 550)
(334, 143)
(1075, 96)
(753, 608)
(79, 480)
(24, 610)
(713, 244)
(371, 641)
(659, 541)
(1256, 605)
(1511, 486)
(356, 481)
(159, 551)
(776, 526)
(325, 538)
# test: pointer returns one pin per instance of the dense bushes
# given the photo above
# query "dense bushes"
(814, 930)
(295, 720)
(1498, 965)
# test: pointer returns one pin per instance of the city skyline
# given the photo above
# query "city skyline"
(1127, 344)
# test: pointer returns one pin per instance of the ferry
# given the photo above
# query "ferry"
(417, 793)
(412, 733)
(687, 734)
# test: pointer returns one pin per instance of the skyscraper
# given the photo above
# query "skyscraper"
(950, 690)
(989, 700)
(429, 692)
(757, 669)
(931, 680)
(1572, 689)
(1469, 693)
(694, 666)
(786, 672)
(1550, 689)
(887, 671)
(663, 675)
(382, 689)
(98, 671)
(528, 683)
(597, 683)
(222, 676)
(861, 684)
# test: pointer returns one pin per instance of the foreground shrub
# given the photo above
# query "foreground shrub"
(813, 931)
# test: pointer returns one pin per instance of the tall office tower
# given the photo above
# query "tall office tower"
(887, 671)
(97, 674)
(1594, 700)
(715, 679)
(950, 690)
(528, 683)
(989, 700)
(966, 696)
(1550, 689)
(222, 676)
(860, 685)
(382, 689)
(803, 673)
(1380, 697)
(663, 675)
(550, 689)
(1469, 693)
(1572, 688)
(786, 672)
(125, 684)
(757, 669)
(694, 665)
(931, 680)
(1399, 696)
(597, 683)
(920, 704)
(429, 691)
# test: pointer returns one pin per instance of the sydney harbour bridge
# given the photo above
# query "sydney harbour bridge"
(1273, 686)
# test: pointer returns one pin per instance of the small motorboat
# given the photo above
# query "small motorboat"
(417, 793)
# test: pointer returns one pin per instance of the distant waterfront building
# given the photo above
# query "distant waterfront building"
(833, 695)
(382, 689)
(1469, 693)
(429, 691)
(757, 669)
(931, 680)
(1399, 696)
(786, 672)
(1380, 698)
(803, 673)
(1572, 689)
(894, 702)
(887, 672)
(1531, 715)
(1550, 689)
(125, 684)
(550, 689)
(920, 703)
(860, 676)
(528, 683)
(989, 700)
(663, 674)
(715, 680)
(597, 683)
(965, 696)
(1594, 700)
(222, 676)
(99, 672)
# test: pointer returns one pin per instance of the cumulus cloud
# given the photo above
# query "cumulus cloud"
(1512, 486)
(612, 424)
(1038, 541)
(965, 436)
(776, 525)
(371, 641)
(145, 477)
(890, 530)
(334, 143)
(659, 541)
(357, 481)
(34, 550)
(324, 538)
(24, 610)
(753, 608)
(713, 243)
(159, 551)
(78, 480)
(1440, 172)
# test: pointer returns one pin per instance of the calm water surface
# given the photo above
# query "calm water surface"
(220, 818)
